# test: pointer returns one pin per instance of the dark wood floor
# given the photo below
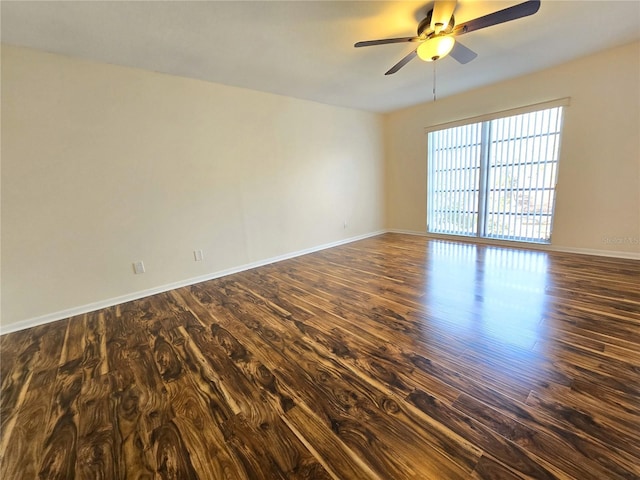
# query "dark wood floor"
(390, 358)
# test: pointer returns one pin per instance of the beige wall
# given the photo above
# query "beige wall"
(104, 165)
(598, 202)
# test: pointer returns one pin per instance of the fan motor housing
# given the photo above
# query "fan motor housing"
(425, 25)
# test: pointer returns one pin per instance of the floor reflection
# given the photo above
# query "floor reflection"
(486, 293)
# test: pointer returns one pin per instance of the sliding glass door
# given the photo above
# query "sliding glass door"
(495, 178)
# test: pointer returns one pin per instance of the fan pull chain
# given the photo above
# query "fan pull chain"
(434, 80)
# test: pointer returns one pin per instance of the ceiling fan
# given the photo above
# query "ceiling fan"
(437, 30)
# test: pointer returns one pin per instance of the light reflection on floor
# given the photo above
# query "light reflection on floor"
(484, 292)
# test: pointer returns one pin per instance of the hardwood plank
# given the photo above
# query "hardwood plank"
(293, 459)
(338, 459)
(396, 356)
(95, 448)
(257, 422)
(58, 459)
(15, 381)
(408, 327)
(23, 449)
(489, 440)
(623, 438)
(11, 348)
(583, 459)
(140, 402)
(322, 378)
(487, 468)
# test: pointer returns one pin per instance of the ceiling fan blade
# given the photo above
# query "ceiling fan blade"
(462, 54)
(402, 62)
(501, 16)
(370, 43)
(442, 13)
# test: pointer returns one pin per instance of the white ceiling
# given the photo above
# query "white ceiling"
(305, 49)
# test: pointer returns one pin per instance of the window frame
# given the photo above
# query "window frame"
(482, 184)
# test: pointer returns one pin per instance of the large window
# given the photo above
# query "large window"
(495, 178)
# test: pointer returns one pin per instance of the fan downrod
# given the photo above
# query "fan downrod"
(425, 25)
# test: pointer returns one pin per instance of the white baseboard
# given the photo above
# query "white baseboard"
(60, 315)
(529, 246)
(90, 307)
(407, 232)
(598, 253)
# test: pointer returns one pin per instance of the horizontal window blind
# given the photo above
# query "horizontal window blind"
(495, 178)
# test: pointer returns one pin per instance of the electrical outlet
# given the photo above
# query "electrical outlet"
(138, 267)
(197, 255)
(345, 224)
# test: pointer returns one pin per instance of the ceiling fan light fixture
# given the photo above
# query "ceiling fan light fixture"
(436, 47)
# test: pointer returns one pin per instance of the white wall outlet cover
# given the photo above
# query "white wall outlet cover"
(138, 267)
(197, 255)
